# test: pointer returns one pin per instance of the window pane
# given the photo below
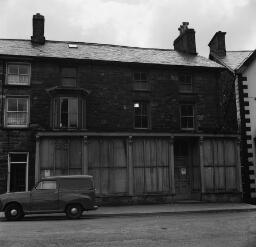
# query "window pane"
(190, 122)
(12, 104)
(24, 79)
(13, 79)
(22, 105)
(48, 185)
(137, 122)
(136, 76)
(18, 158)
(68, 82)
(68, 72)
(141, 115)
(143, 108)
(23, 69)
(72, 112)
(187, 110)
(143, 77)
(17, 118)
(13, 69)
(144, 122)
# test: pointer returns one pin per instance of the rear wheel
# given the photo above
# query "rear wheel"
(13, 212)
(74, 211)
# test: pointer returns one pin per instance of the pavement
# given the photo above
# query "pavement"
(172, 208)
(168, 209)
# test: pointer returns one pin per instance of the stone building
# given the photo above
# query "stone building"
(146, 123)
(241, 72)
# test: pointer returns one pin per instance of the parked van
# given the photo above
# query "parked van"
(68, 194)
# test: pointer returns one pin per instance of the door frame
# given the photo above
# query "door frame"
(9, 169)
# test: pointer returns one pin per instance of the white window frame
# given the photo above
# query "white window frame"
(18, 83)
(77, 105)
(6, 111)
(189, 116)
(9, 169)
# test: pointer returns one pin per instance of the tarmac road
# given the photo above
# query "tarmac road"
(229, 229)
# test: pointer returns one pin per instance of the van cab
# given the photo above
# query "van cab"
(68, 194)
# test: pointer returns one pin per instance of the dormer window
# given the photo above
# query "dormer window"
(18, 74)
(68, 77)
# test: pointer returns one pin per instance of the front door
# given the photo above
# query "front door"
(17, 172)
(182, 170)
(45, 196)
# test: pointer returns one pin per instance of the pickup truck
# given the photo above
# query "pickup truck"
(68, 194)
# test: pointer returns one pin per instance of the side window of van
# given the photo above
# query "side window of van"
(46, 185)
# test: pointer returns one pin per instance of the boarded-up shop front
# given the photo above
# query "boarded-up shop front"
(144, 168)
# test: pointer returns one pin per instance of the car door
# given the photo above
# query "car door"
(45, 196)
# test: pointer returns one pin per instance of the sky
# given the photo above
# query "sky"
(140, 23)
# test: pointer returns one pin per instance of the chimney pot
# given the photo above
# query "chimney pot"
(38, 29)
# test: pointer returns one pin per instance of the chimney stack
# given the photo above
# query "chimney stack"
(186, 40)
(38, 29)
(217, 44)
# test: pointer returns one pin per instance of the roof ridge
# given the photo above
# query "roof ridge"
(96, 44)
(241, 51)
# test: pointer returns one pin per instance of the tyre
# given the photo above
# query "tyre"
(13, 212)
(74, 211)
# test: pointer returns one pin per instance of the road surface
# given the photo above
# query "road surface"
(190, 229)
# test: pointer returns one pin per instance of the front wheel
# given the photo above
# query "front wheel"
(74, 211)
(13, 212)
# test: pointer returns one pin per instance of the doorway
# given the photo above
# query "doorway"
(182, 169)
(17, 172)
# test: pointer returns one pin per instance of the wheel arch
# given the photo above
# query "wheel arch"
(12, 202)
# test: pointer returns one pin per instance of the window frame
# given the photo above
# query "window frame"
(140, 82)
(45, 181)
(68, 77)
(183, 84)
(60, 113)
(9, 169)
(6, 111)
(18, 84)
(148, 115)
(188, 116)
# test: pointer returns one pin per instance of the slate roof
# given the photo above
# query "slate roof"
(234, 59)
(103, 52)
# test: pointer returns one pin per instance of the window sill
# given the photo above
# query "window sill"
(16, 127)
(17, 85)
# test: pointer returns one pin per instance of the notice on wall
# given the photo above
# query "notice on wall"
(183, 171)
(47, 173)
